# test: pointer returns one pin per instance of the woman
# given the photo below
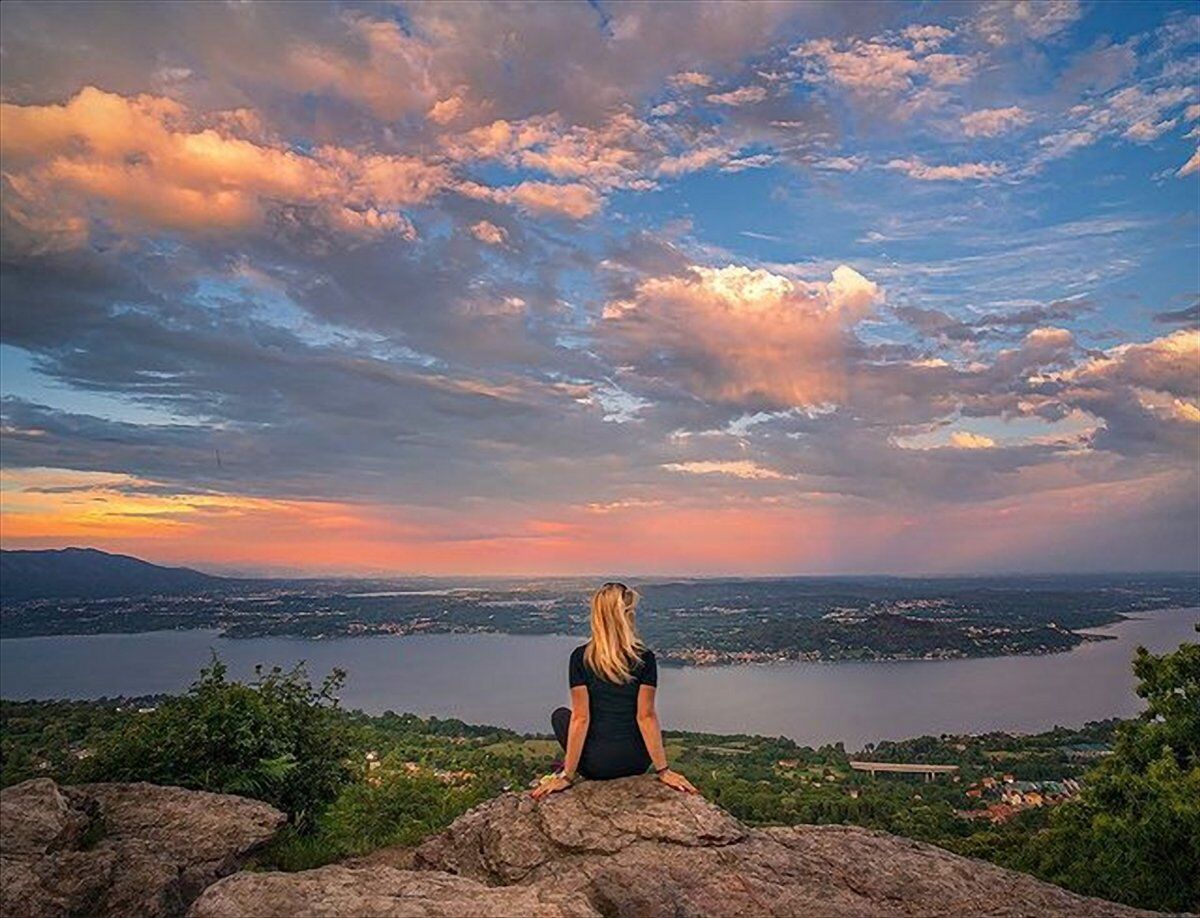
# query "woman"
(611, 730)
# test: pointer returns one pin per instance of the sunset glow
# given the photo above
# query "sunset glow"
(603, 288)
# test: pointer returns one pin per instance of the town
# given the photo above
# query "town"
(688, 622)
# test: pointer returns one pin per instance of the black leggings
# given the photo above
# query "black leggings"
(603, 759)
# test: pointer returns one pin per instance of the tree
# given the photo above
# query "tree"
(1134, 834)
(276, 738)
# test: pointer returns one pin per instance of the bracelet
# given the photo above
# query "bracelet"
(659, 771)
(570, 779)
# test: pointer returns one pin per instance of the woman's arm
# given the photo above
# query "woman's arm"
(647, 721)
(576, 734)
(581, 713)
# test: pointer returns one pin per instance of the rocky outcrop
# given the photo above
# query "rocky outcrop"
(120, 849)
(635, 847)
(383, 891)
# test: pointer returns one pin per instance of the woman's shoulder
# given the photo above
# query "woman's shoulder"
(647, 655)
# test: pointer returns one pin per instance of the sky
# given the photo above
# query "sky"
(613, 288)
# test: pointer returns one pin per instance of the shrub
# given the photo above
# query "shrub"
(276, 738)
(1134, 834)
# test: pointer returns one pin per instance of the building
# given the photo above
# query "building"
(1000, 812)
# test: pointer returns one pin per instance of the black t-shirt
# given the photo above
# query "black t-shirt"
(613, 705)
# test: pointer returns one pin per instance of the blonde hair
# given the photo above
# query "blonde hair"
(615, 645)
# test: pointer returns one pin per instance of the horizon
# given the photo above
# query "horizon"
(282, 574)
(725, 290)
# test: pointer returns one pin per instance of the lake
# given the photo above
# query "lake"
(514, 681)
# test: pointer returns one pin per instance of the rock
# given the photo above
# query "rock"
(636, 847)
(381, 892)
(626, 848)
(119, 849)
(402, 856)
(36, 818)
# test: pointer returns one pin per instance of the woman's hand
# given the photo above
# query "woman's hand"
(553, 786)
(676, 780)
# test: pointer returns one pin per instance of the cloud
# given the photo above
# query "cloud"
(956, 172)
(1167, 364)
(1001, 22)
(741, 335)
(147, 162)
(861, 66)
(1188, 315)
(926, 37)
(689, 79)
(1133, 113)
(570, 199)
(964, 439)
(486, 231)
(840, 163)
(741, 468)
(1190, 167)
(621, 152)
(894, 76)
(991, 122)
(948, 69)
(743, 95)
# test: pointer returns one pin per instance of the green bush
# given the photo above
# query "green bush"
(397, 810)
(276, 738)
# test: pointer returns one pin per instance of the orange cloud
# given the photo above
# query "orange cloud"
(742, 335)
(571, 199)
(739, 468)
(1168, 364)
(147, 161)
(964, 439)
(486, 231)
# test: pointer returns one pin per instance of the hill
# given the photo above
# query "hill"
(88, 573)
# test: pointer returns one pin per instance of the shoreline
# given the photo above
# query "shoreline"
(1093, 634)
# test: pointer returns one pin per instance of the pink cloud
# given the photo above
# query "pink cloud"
(486, 231)
(742, 335)
(864, 66)
(991, 122)
(689, 79)
(743, 95)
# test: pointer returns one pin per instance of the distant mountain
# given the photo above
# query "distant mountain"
(88, 573)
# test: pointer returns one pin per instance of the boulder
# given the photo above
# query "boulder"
(637, 847)
(120, 849)
(382, 892)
